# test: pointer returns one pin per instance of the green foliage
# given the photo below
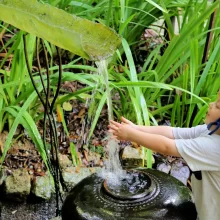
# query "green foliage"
(73, 151)
(98, 149)
(17, 96)
(184, 59)
(181, 67)
(13, 86)
(172, 82)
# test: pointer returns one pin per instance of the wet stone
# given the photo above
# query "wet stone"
(94, 157)
(72, 175)
(180, 171)
(164, 167)
(3, 175)
(56, 218)
(64, 161)
(43, 187)
(133, 157)
(18, 185)
(0, 210)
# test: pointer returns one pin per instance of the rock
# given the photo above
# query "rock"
(164, 167)
(180, 171)
(56, 218)
(18, 185)
(0, 210)
(94, 158)
(3, 175)
(3, 137)
(43, 187)
(133, 157)
(64, 161)
(73, 175)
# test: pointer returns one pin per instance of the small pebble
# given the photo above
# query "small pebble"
(31, 172)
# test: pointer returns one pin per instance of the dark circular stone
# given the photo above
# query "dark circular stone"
(161, 197)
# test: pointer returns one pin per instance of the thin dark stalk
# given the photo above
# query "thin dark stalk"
(39, 66)
(51, 111)
(47, 74)
(59, 80)
(209, 35)
(53, 134)
(51, 120)
(48, 114)
(45, 107)
(30, 71)
(39, 95)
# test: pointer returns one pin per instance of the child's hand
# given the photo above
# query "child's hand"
(126, 121)
(121, 131)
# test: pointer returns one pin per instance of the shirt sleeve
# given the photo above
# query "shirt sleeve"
(201, 153)
(188, 133)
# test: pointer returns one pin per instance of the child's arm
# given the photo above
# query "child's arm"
(154, 142)
(165, 131)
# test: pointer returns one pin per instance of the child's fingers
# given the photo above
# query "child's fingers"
(110, 130)
(112, 137)
(113, 127)
(125, 120)
(114, 123)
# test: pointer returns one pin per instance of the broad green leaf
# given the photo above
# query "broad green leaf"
(85, 38)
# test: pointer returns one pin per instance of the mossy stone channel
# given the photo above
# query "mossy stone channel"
(156, 196)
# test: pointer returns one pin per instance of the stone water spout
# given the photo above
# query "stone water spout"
(149, 195)
(85, 38)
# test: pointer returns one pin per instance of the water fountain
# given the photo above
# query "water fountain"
(136, 193)
(148, 194)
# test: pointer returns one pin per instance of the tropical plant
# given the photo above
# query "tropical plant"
(180, 66)
(173, 80)
(15, 107)
(183, 61)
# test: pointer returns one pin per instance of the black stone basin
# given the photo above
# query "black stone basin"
(155, 196)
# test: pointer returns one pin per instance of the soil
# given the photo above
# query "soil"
(29, 210)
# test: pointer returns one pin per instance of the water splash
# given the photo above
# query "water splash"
(113, 172)
(134, 184)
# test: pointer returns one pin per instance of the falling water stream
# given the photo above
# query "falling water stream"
(113, 172)
(103, 72)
